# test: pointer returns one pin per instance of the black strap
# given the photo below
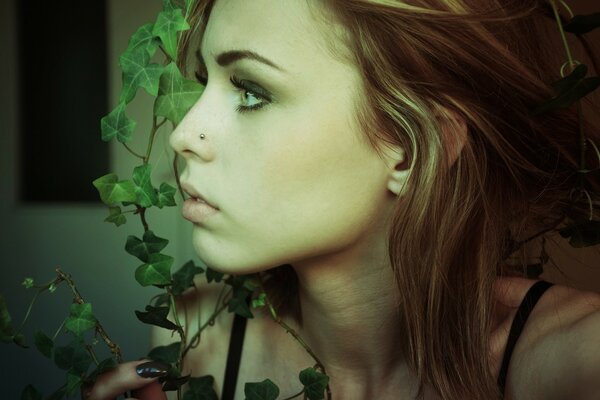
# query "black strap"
(529, 301)
(234, 356)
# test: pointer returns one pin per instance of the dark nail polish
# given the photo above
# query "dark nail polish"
(152, 369)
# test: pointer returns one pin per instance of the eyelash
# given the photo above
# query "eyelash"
(240, 85)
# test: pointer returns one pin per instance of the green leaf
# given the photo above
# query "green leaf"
(314, 383)
(167, 354)
(81, 319)
(116, 123)
(238, 304)
(144, 39)
(156, 316)
(581, 24)
(73, 382)
(43, 343)
(201, 388)
(212, 275)
(104, 366)
(7, 331)
(142, 249)
(265, 390)
(582, 233)
(162, 299)
(260, 302)
(115, 216)
(138, 73)
(571, 89)
(168, 23)
(28, 283)
(31, 393)
(113, 191)
(146, 194)
(166, 196)
(157, 271)
(73, 357)
(176, 95)
(184, 278)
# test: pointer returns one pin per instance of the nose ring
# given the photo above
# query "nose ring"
(202, 136)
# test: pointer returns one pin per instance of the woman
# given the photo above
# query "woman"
(379, 159)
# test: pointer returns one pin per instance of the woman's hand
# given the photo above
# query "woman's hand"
(139, 376)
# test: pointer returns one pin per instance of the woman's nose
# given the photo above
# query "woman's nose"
(190, 139)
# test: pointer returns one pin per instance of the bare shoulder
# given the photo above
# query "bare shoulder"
(194, 309)
(557, 355)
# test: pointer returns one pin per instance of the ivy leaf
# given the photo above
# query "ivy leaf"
(113, 191)
(116, 123)
(168, 23)
(31, 393)
(73, 382)
(212, 275)
(174, 382)
(156, 316)
(201, 388)
(144, 39)
(115, 216)
(265, 390)
(176, 95)
(167, 354)
(157, 271)
(582, 233)
(570, 93)
(104, 366)
(73, 357)
(166, 196)
(261, 301)
(314, 383)
(43, 343)
(581, 24)
(138, 73)
(184, 278)
(142, 249)
(162, 299)
(146, 195)
(7, 331)
(81, 319)
(239, 304)
(28, 283)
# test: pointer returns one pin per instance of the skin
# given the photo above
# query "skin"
(296, 182)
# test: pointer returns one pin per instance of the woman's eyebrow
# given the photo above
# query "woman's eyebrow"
(229, 57)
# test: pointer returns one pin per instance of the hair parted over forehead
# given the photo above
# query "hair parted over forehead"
(487, 62)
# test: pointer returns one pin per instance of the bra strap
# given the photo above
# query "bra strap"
(531, 298)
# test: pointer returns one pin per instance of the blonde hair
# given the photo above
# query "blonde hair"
(454, 226)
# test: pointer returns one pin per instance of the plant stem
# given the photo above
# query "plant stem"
(209, 322)
(142, 212)
(92, 353)
(59, 329)
(133, 152)
(155, 128)
(294, 396)
(292, 332)
(562, 33)
(114, 348)
(30, 307)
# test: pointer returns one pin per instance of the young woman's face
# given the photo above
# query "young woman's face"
(294, 179)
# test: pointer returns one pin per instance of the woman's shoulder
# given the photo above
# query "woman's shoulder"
(558, 352)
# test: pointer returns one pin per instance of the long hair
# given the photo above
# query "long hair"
(486, 61)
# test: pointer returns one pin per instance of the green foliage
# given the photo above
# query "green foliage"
(156, 316)
(213, 276)
(184, 278)
(167, 354)
(314, 383)
(168, 23)
(146, 194)
(145, 247)
(28, 283)
(113, 191)
(73, 357)
(157, 271)
(176, 95)
(117, 124)
(43, 343)
(115, 216)
(201, 389)
(265, 390)
(80, 319)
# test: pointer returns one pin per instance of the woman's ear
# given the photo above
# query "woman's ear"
(399, 168)
(454, 133)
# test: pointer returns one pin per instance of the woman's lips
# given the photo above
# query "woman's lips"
(197, 210)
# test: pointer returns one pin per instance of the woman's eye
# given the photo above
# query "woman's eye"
(247, 90)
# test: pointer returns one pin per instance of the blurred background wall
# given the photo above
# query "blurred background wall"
(37, 237)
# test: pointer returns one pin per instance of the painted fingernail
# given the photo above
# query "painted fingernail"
(152, 369)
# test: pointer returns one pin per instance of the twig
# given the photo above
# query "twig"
(114, 348)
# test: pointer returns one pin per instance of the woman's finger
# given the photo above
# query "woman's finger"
(129, 376)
